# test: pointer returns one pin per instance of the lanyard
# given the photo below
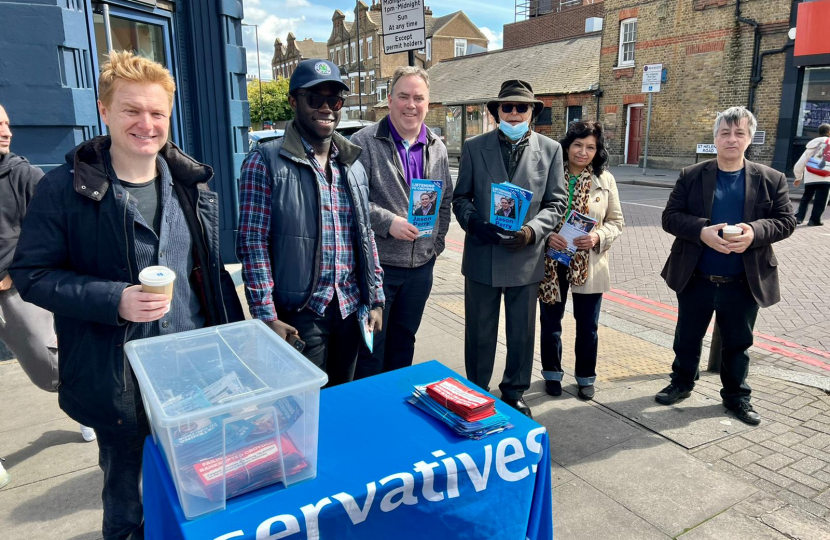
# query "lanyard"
(571, 186)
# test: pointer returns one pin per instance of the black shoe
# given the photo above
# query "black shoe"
(519, 405)
(744, 412)
(671, 394)
(586, 392)
(553, 388)
(812, 223)
(799, 221)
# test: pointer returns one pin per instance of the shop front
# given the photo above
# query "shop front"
(52, 53)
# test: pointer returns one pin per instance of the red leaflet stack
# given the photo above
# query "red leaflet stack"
(463, 401)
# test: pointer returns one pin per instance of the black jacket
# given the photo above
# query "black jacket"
(767, 210)
(17, 187)
(77, 254)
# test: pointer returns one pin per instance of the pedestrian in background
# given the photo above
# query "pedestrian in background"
(816, 180)
(592, 191)
(397, 150)
(731, 277)
(121, 203)
(499, 263)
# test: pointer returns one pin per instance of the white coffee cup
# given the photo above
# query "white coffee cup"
(158, 280)
(731, 230)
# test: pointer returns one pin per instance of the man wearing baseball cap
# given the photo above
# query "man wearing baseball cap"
(309, 259)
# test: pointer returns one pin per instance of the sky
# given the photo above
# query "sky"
(312, 19)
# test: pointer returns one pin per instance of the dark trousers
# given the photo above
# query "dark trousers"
(821, 192)
(586, 315)
(406, 291)
(331, 342)
(119, 456)
(482, 305)
(735, 312)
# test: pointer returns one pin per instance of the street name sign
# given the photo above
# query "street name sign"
(404, 26)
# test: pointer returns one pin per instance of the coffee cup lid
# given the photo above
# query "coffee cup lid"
(731, 229)
(156, 276)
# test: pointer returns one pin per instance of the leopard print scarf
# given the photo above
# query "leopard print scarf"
(549, 290)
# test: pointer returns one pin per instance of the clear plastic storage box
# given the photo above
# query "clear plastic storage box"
(232, 408)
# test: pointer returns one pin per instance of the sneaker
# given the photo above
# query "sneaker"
(553, 388)
(5, 477)
(745, 413)
(671, 394)
(586, 392)
(88, 433)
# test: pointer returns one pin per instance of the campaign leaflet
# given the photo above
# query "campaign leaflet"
(508, 205)
(424, 201)
(363, 320)
(575, 226)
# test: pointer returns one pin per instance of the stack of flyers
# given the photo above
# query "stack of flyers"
(495, 423)
(424, 201)
(575, 226)
(363, 320)
(509, 205)
(462, 400)
(251, 467)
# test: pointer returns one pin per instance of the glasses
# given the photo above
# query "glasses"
(507, 108)
(315, 100)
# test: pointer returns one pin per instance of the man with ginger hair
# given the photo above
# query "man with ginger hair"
(119, 204)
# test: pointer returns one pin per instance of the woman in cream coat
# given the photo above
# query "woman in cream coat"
(592, 191)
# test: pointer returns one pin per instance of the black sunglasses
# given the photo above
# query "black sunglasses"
(315, 100)
(507, 108)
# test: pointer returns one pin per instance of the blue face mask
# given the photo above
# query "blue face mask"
(514, 133)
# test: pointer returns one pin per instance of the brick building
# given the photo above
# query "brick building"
(563, 75)
(368, 71)
(286, 57)
(708, 55)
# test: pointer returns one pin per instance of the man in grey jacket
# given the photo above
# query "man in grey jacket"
(510, 263)
(397, 150)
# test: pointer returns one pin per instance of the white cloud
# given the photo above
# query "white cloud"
(495, 39)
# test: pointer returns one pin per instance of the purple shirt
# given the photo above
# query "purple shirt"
(412, 157)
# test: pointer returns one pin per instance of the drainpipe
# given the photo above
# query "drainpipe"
(755, 52)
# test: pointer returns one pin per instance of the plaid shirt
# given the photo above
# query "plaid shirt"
(337, 265)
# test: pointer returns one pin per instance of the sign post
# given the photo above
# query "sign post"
(404, 26)
(652, 76)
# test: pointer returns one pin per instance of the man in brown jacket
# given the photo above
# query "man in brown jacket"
(731, 277)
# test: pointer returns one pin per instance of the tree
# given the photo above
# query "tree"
(274, 103)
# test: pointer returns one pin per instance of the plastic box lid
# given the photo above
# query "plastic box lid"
(167, 366)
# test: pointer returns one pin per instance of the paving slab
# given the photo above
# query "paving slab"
(578, 429)
(697, 420)
(795, 523)
(636, 474)
(65, 507)
(731, 525)
(571, 522)
(40, 406)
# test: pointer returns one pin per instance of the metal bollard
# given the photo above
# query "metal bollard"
(714, 352)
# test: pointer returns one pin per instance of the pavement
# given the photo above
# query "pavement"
(623, 466)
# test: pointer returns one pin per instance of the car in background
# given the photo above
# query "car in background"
(347, 128)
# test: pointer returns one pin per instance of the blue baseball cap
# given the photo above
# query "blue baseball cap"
(313, 72)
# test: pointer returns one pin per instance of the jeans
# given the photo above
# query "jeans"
(119, 456)
(406, 291)
(331, 342)
(586, 314)
(735, 312)
(821, 191)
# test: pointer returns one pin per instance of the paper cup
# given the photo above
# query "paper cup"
(158, 280)
(731, 230)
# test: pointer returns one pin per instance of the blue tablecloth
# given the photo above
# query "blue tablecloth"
(371, 482)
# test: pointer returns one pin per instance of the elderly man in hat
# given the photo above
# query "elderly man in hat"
(499, 262)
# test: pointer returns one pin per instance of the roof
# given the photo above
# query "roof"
(312, 49)
(433, 24)
(561, 67)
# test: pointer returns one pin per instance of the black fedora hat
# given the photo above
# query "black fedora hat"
(515, 91)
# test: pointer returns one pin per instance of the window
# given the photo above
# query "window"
(382, 92)
(366, 85)
(815, 103)
(544, 118)
(337, 57)
(369, 47)
(331, 55)
(351, 53)
(429, 49)
(460, 47)
(628, 37)
(574, 115)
